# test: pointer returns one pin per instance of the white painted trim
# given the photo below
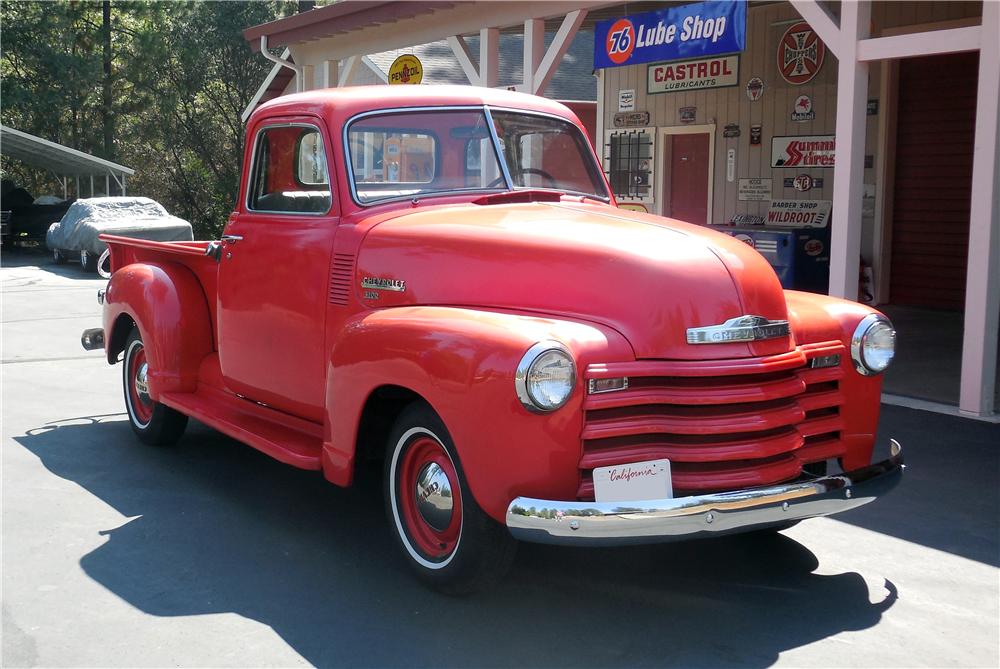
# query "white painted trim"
(329, 73)
(556, 51)
(534, 50)
(347, 71)
(920, 44)
(935, 407)
(376, 70)
(255, 100)
(982, 284)
(885, 180)
(464, 57)
(848, 172)
(663, 169)
(489, 57)
(820, 21)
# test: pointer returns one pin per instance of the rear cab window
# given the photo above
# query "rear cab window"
(290, 173)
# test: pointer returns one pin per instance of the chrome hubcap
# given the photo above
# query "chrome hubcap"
(434, 500)
(141, 389)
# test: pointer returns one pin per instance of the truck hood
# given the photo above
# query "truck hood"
(650, 278)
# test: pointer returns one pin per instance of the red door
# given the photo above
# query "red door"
(935, 132)
(687, 179)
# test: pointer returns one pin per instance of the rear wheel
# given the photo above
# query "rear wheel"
(154, 423)
(446, 538)
(58, 257)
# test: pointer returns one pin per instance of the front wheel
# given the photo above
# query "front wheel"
(58, 257)
(154, 423)
(446, 538)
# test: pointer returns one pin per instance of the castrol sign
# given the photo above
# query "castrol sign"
(803, 151)
(692, 75)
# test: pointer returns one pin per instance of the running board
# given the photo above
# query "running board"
(285, 438)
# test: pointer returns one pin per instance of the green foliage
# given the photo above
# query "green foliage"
(181, 75)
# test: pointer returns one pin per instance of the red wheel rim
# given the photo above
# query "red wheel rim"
(142, 406)
(433, 543)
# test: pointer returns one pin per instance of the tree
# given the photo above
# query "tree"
(156, 86)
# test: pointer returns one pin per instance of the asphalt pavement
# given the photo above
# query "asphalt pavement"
(211, 554)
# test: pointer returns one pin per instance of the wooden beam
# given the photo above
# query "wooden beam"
(982, 283)
(489, 57)
(920, 44)
(534, 50)
(464, 57)
(329, 73)
(560, 43)
(820, 21)
(848, 172)
(347, 71)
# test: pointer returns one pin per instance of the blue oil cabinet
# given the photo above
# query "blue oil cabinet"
(800, 256)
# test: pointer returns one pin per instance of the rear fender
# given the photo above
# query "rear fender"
(166, 302)
(462, 362)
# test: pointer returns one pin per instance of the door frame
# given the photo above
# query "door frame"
(664, 133)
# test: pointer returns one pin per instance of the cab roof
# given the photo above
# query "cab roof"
(340, 104)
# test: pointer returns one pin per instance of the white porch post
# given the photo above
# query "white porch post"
(489, 57)
(308, 78)
(982, 283)
(329, 74)
(123, 184)
(534, 49)
(848, 172)
(107, 185)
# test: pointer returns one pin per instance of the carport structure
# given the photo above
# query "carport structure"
(62, 162)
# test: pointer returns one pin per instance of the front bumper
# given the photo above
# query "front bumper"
(659, 520)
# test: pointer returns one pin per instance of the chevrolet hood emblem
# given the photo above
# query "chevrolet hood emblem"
(739, 329)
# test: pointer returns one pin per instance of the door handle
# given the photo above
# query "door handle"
(232, 238)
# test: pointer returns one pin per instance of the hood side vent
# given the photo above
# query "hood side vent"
(341, 274)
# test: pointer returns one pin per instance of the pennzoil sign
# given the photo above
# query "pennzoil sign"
(803, 151)
(407, 69)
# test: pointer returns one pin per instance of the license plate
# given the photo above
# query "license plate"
(634, 481)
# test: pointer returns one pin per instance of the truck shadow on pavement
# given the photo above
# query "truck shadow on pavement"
(214, 527)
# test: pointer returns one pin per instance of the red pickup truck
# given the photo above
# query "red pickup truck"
(440, 277)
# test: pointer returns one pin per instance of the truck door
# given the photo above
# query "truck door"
(274, 271)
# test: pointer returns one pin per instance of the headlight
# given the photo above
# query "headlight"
(545, 377)
(873, 344)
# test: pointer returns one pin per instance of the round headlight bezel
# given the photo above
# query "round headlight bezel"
(861, 333)
(522, 385)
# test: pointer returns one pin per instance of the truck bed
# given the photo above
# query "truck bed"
(128, 250)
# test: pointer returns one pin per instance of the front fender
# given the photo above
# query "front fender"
(462, 362)
(168, 305)
(816, 318)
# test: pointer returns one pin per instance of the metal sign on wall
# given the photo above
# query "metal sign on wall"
(688, 31)
(631, 119)
(803, 151)
(754, 190)
(407, 69)
(799, 213)
(692, 75)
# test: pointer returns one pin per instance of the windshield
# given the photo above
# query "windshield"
(418, 153)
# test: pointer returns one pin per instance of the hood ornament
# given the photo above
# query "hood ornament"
(739, 329)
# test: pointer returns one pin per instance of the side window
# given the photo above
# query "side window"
(290, 173)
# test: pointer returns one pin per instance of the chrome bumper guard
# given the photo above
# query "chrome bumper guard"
(660, 520)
